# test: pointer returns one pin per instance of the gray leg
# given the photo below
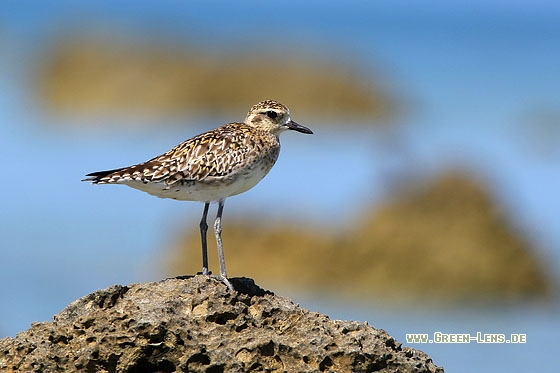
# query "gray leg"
(218, 233)
(203, 230)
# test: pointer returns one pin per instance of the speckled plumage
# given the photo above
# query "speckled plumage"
(217, 164)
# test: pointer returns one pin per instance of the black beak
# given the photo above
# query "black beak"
(298, 127)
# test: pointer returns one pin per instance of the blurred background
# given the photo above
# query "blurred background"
(426, 201)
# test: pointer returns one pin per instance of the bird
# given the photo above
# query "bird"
(211, 167)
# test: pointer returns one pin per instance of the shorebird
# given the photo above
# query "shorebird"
(212, 166)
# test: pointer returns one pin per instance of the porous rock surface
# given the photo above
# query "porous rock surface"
(194, 324)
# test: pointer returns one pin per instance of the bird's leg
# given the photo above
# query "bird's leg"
(218, 233)
(203, 230)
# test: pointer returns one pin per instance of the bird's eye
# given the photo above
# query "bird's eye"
(271, 114)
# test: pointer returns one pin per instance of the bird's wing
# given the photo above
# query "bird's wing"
(212, 154)
(209, 155)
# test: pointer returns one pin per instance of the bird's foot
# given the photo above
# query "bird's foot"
(225, 280)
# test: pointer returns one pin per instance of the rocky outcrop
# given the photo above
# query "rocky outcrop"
(194, 324)
(89, 75)
(446, 241)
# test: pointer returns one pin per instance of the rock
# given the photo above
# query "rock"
(195, 324)
(443, 242)
(89, 76)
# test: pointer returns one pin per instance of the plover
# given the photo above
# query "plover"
(212, 166)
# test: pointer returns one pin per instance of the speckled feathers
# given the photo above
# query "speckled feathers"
(214, 165)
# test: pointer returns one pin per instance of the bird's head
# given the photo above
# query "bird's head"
(274, 117)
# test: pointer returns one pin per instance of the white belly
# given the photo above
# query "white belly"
(203, 191)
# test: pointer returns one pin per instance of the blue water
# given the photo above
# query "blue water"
(470, 76)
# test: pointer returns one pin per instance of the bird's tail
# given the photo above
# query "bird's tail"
(101, 177)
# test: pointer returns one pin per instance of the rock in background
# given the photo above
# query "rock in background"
(95, 76)
(445, 241)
